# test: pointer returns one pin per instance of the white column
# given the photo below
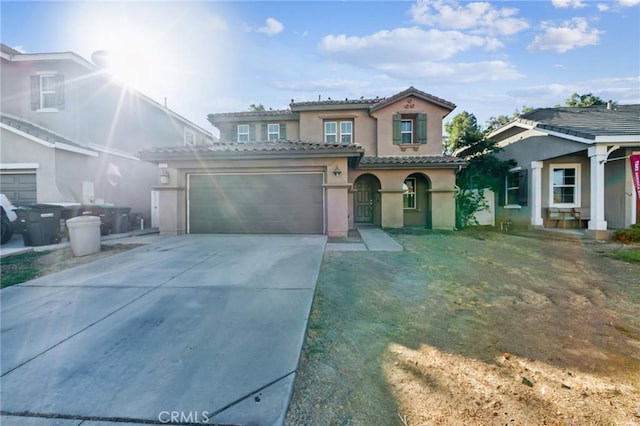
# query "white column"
(536, 193)
(598, 155)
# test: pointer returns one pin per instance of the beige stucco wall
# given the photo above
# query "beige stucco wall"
(392, 214)
(364, 126)
(384, 118)
(227, 129)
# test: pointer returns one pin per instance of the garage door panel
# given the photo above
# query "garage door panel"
(256, 203)
(20, 188)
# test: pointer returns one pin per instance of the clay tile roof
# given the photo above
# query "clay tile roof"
(412, 91)
(246, 116)
(226, 149)
(412, 161)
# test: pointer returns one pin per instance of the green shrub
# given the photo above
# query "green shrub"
(627, 236)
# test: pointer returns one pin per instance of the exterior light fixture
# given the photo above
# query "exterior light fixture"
(337, 171)
(164, 177)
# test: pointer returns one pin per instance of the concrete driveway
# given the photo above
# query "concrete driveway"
(190, 329)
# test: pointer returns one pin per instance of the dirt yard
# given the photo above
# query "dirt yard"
(473, 328)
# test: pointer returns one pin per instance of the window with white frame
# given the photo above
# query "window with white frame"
(346, 132)
(406, 131)
(47, 92)
(273, 132)
(341, 131)
(189, 137)
(409, 196)
(243, 133)
(516, 188)
(564, 185)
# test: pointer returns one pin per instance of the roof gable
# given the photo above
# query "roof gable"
(412, 91)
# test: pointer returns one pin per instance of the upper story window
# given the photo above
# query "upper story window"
(273, 132)
(406, 131)
(409, 128)
(516, 188)
(243, 133)
(189, 137)
(47, 92)
(338, 131)
(564, 185)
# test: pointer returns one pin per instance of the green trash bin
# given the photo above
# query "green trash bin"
(41, 224)
(120, 220)
(105, 213)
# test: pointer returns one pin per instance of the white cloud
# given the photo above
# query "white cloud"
(629, 3)
(272, 27)
(570, 35)
(561, 4)
(603, 7)
(401, 45)
(327, 84)
(453, 73)
(216, 23)
(477, 16)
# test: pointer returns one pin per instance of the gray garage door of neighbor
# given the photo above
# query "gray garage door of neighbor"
(20, 188)
(243, 203)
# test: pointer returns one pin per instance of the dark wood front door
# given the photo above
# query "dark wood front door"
(364, 201)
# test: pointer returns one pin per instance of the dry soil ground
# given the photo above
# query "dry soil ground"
(473, 329)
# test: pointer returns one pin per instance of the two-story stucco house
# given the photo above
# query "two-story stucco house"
(70, 133)
(320, 167)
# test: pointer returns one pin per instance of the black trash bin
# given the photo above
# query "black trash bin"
(105, 213)
(120, 220)
(41, 224)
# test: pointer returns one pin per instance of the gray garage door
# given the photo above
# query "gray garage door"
(19, 188)
(281, 203)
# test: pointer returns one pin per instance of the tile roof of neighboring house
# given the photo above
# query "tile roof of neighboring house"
(586, 122)
(432, 161)
(275, 148)
(279, 114)
(56, 140)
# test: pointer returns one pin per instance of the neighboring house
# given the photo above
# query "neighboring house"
(572, 168)
(319, 167)
(70, 133)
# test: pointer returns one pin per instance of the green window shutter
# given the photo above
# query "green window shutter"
(263, 132)
(283, 130)
(252, 132)
(397, 118)
(422, 128)
(59, 79)
(234, 133)
(35, 92)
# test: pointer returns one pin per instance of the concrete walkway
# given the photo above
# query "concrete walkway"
(373, 239)
(194, 328)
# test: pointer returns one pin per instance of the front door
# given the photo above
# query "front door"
(364, 201)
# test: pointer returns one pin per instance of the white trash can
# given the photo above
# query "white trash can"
(84, 235)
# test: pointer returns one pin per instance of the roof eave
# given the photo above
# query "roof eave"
(236, 155)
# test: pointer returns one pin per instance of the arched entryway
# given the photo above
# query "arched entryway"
(366, 200)
(417, 201)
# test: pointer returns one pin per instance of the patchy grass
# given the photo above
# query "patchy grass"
(19, 268)
(472, 328)
(632, 256)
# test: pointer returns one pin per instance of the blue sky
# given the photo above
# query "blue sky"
(489, 58)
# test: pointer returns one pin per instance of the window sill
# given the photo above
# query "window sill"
(48, 110)
(513, 206)
(405, 146)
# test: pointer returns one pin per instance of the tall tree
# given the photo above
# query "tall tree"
(256, 108)
(585, 100)
(484, 170)
(496, 122)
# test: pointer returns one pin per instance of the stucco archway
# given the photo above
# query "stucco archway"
(417, 205)
(366, 200)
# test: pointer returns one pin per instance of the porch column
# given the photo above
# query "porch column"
(392, 210)
(536, 194)
(337, 209)
(597, 225)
